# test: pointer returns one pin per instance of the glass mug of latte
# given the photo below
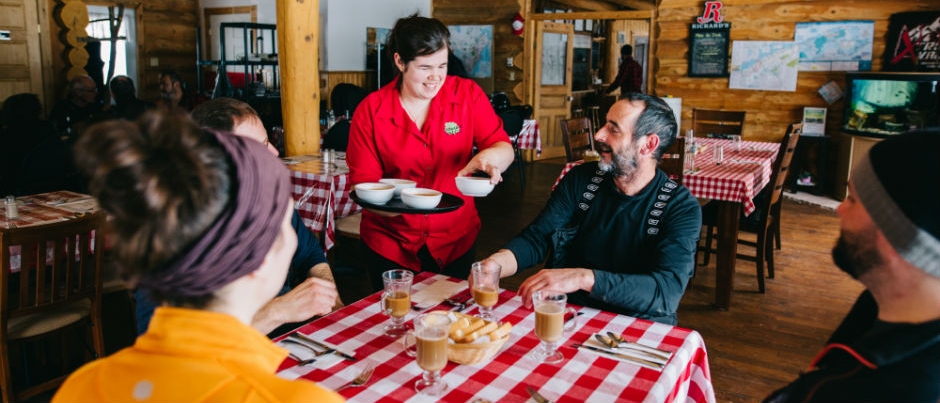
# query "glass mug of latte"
(396, 300)
(428, 344)
(485, 288)
(550, 324)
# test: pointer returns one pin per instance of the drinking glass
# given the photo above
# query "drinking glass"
(550, 325)
(431, 351)
(485, 288)
(719, 155)
(736, 142)
(689, 137)
(396, 300)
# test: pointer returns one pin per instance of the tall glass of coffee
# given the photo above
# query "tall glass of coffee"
(485, 288)
(431, 351)
(550, 325)
(396, 300)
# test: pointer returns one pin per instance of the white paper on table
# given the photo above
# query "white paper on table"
(80, 206)
(436, 293)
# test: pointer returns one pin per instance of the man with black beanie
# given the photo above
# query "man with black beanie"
(888, 347)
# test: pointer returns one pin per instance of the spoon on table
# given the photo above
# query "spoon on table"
(614, 340)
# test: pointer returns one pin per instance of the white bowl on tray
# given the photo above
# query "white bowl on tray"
(421, 198)
(375, 192)
(399, 184)
(474, 186)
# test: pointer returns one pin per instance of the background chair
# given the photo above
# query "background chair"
(578, 136)
(57, 288)
(717, 123)
(769, 205)
(513, 118)
(673, 160)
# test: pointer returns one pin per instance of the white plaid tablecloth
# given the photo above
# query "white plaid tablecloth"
(322, 197)
(739, 178)
(530, 136)
(582, 377)
(46, 208)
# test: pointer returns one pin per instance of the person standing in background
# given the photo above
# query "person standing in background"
(424, 126)
(630, 76)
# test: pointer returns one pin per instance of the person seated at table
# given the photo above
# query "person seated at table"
(424, 126)
(124, 94)
(887, 347)
(207, 231)
(616, 261)
(81, 108)
(173, 93)
(310, 289)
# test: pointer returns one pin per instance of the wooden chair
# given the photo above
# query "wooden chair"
(513, 119)
(768, 226)
(717, 123)
(673, 160)
(58, 287)
(578, 136)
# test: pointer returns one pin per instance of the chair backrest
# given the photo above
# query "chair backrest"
(782, 164)
(578, 136)
(673, 160)
(717, 123)
(57, 266)
(513, 119)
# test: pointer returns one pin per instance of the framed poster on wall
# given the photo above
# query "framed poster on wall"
(708, 49)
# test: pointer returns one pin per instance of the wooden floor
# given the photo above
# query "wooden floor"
(764, 340)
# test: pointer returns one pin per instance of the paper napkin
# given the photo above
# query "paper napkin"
(436, 293)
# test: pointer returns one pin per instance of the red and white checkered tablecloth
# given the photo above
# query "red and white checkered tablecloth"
(582, 377)
(530, 136)
(46, 208)
(739, 178)
(322, 197)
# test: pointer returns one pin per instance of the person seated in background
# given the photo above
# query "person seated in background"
(633, 251)
(345, 98)
(33, 158)
(173, 93)
(214, 245)
(310, 289)
(887, 349)
(79, 109)
(126, 105)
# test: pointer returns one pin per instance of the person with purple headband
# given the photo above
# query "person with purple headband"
(201, 220)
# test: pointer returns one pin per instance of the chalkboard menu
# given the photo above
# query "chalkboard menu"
(708, 49)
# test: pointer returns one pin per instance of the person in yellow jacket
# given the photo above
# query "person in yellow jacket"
(201, 220)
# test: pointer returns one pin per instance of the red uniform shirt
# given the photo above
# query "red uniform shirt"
(385, 143)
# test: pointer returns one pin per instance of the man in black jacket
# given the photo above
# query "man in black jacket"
(888, 347)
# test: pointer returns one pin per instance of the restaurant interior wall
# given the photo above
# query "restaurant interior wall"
(768, 112)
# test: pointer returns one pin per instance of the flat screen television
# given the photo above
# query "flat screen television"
(886, 104)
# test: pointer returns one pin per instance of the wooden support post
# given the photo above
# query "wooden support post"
(298, 24)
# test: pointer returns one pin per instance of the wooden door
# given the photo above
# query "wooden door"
(20, 60)
(554, 54)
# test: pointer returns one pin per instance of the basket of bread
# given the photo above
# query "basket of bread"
(474, 340)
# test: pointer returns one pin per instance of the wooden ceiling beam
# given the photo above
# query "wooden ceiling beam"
(635, 4)
(589, 5)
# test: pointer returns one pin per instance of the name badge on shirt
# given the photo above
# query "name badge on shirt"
(451, 128)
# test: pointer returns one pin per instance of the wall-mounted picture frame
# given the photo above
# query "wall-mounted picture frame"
(814, 121)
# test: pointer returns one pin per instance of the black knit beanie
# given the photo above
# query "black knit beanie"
(898, 182)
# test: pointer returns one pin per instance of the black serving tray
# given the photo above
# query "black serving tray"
(448, 202)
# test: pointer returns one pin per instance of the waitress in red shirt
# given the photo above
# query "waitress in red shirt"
(423, 126)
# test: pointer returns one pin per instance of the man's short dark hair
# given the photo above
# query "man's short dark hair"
(657, 117)
(222, 113)
(626, 50)
(122, 87)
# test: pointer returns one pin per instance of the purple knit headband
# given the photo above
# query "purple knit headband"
(242, 234)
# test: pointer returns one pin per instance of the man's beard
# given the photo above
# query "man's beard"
(623, 163)
(855, 252)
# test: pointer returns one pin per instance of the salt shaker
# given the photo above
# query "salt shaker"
(11, 209)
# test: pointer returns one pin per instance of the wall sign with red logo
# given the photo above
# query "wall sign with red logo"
(709, 40)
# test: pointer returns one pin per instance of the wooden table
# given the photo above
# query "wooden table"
(45, 208)
(582, 376)
(321, 193)
(732, 185)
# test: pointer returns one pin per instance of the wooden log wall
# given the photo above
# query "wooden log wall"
(166, 31)
(768, 112)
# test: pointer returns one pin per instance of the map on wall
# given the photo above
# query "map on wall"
(473, 45)
(835, 46)
(764, 65)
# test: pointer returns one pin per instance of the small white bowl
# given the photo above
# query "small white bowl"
(421, 198)
(474, 186)
(375, 192)
(399, 184)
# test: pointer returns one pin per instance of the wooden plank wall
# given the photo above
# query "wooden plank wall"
(768, 112)
(167, 31)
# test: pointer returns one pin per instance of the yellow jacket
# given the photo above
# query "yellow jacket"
(191, 356)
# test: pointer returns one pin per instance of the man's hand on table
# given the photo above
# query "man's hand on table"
(315, 296)
(556, 280)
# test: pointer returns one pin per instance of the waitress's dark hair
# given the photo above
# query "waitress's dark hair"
(415, 36)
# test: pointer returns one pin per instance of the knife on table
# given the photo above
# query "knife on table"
(638, 360)
(304, 338)
(536, 395)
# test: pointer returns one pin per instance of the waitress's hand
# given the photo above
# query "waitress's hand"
(493, 161)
